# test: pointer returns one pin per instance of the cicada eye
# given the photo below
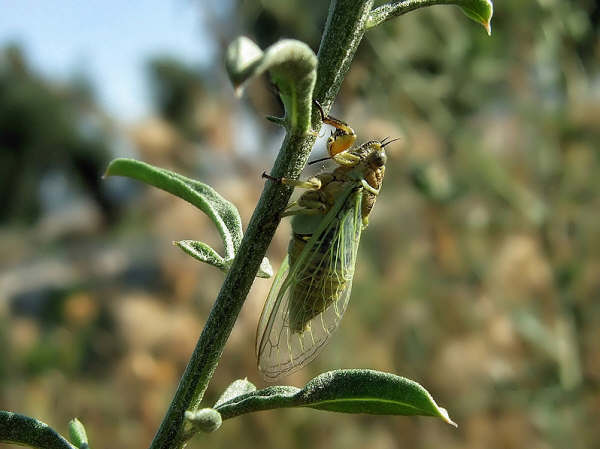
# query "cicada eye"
(379, 158)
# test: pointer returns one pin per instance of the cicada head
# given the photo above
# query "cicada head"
(371, 155)
(377, 158)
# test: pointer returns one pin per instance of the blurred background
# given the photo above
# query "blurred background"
(479, 275)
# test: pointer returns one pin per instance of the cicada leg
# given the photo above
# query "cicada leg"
(369, 188)
(342, 138)
(309, 203)
(309, 184)
(346, 159)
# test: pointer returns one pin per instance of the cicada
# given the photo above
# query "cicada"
(311, 290)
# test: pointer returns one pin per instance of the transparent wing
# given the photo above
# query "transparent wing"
(309, 296)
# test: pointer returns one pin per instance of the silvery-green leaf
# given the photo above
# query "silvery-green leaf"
(202, 252)
(235, 389)
(77, 434)
(26, 431)
(223, 213)
(292, 66)
(345, 391)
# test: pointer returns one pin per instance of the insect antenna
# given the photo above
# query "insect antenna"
(316, 161)
(320, 108)
(384, 144)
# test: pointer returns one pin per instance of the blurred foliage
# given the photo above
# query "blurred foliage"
(177, 90)
(46, 126)
(479, 275)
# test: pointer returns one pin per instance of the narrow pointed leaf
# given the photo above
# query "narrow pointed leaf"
(345, 391)
(202, 252)
(224, 214)
(235, 389)
(292, 66)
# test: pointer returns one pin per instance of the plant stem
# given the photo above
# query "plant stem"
(344, 30)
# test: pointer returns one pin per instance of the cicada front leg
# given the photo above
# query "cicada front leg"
(310, 203)
(313, 183)
(342, 138)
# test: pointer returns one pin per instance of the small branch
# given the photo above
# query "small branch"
(26, 431)
(396, 9)
(479, 10)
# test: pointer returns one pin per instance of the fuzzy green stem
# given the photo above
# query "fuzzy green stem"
(345, 27)
(344, 30)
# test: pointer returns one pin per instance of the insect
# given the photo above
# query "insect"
(312, 287)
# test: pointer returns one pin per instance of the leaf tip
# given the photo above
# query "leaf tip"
(446, 417)
(480, 11)
(240, 56)
(77, 434)
(488, 27)
(107, 173)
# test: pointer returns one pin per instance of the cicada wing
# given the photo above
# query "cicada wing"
(303, 309)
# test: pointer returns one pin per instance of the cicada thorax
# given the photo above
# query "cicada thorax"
(370, 156)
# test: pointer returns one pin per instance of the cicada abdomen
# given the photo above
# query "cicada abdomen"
(310, 292)
(323, 280)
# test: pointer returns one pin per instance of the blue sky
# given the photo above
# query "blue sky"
(109, 41)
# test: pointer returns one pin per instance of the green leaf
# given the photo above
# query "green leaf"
(224, 214)
(292, 65)
(77, 434)
(480, 11)
(235, 389)
(345, 391)
(26, 431)
(202, 252)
